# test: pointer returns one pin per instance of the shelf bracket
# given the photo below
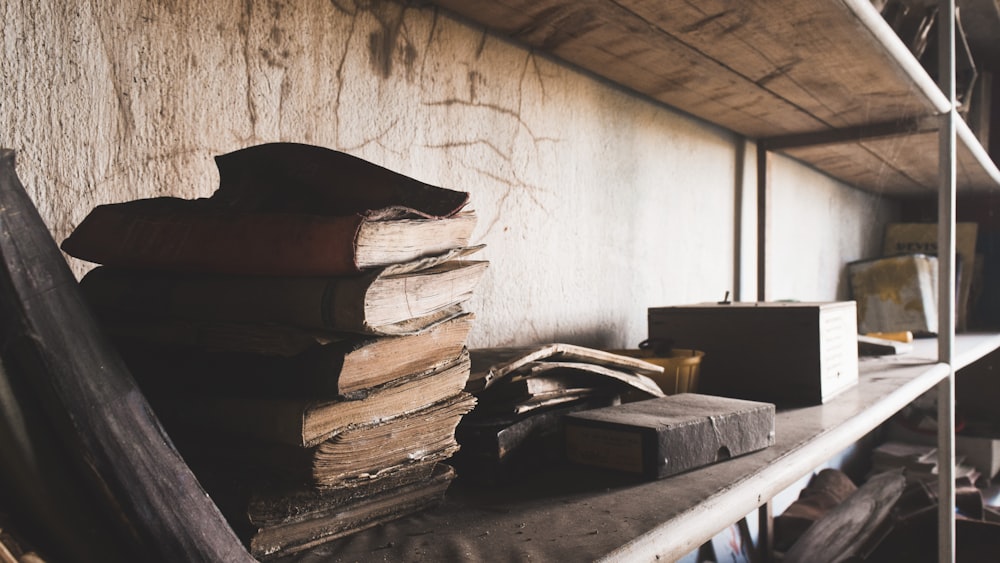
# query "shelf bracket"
(910, 126)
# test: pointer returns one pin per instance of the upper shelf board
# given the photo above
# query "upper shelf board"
(761, 68)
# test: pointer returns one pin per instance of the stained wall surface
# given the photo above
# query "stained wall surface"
(594, 204)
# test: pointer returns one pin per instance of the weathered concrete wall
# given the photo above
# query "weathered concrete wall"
(594, 204)
(817, 227)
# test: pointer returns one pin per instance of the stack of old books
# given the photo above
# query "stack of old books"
(523, 394)
(301, 334)
(919, 463)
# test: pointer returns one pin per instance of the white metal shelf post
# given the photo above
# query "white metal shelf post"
(946, 285)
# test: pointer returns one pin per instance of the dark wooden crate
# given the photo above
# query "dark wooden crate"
(788, 353)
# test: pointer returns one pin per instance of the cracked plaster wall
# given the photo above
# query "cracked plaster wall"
(594, 204)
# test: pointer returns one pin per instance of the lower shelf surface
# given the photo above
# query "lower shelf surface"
(574, 512)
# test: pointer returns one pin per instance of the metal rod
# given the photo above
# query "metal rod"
(739, 237)
(968, 139)
(897, 128)
(763, 192)
(898, 51)
(765, 533)
(946, 285)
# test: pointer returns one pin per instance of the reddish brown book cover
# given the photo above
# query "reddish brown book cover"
(281, 208)
(295, 177)
(193, 235)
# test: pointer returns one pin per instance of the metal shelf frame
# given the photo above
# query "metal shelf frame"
(782, 74)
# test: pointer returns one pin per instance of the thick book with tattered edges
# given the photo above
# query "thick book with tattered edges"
(498, 449)
(278, 518)
(336, 520)
(354, 455)
(669, 435)
(281, 209)
(305, 422)
(269, 503)
(206, 358)
(396, 299)
(195, 235)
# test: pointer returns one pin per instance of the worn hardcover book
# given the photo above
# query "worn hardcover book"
(669, 435)
(499, 448)
(396, 299)
(366, 450)
(494, 366)
(281, 209)
(305, 422)
(351, 457)
(327, 521)
(539, 402)
(271, 503)
(541, 380)
(174, 234)
(526, 385)
(524, 388)
(252, 504)
(241, 361)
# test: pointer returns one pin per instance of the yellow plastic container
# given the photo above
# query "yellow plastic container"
(680, 368)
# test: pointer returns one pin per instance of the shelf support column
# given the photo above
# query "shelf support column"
(765, 531)
(946, 284)
(763, 215)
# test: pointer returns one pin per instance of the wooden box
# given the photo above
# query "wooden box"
(661, 437)
(787, 353)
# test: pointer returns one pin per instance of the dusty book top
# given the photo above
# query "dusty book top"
(281, 209)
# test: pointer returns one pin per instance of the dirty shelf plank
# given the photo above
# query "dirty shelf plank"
(759, 68)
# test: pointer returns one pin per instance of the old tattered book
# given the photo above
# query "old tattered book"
(492, 366)
(397, 299)
(281, 209)
(172, 356)
(352, 456)
(328, 517)
(308, 421)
